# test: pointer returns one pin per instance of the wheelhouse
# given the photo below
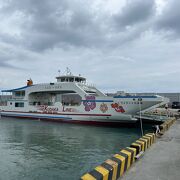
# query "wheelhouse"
(71, 78)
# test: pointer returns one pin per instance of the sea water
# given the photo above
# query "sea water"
(38, 150)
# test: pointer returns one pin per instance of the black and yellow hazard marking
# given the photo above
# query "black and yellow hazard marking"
(119, 162)
(144, 140)
(152, 136)
(133, 153)
(109, 168)
(166, 125)
(103, 171)
(137, 146)
(148, 139)
(129, 157)
(143, 143)
(114, 166)
(88, 176)
(126, 159)
(96, 174)
(122, 161)
(106, 171)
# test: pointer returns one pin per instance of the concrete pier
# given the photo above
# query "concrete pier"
(161, 161)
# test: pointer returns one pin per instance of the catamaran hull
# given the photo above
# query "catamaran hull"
(96, 119)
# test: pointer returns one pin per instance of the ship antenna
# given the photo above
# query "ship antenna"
(68, 71)
(59, 71)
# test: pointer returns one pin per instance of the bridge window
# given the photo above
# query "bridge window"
(20, 93)
(19, 104)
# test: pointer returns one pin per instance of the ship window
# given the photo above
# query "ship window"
(19, 104)
(71, 99)
(63, 79)
(20, 93)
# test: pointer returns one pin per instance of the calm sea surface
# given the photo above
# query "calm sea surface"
(36, 150)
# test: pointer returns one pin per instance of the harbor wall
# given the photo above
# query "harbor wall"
(114, 167)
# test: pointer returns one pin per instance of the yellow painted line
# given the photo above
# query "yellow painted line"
(143, 144)
(140, 146)
(87, 176)
(115, 167)
(129, 157)
(146, 142)
(103, 171)
(152, 137)
(149, 139)
(122, 158)
(133, 149)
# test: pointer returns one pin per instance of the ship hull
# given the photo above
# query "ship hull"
(91, 119)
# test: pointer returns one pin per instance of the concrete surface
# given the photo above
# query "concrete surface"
(161, 161)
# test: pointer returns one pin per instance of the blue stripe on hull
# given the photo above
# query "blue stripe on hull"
(97, 100)
(135, 97)
(36, 116)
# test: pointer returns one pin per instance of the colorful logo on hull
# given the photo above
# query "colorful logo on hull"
(103, 107)
(47, 109)
(118, 108)
(89, 103)
(69, 109)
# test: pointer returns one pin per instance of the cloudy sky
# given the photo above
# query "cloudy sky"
(131, 45)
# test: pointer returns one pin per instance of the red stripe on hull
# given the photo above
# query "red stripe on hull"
(95, 123)
(60, 113)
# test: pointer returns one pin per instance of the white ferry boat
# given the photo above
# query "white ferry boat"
(71, 100)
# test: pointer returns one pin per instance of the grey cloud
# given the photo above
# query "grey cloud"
(4, 63)
(63, 23)
(132, 22)
(9, 39)
(169, 19)
(134, 12)
(11, 55)
(56, 23)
